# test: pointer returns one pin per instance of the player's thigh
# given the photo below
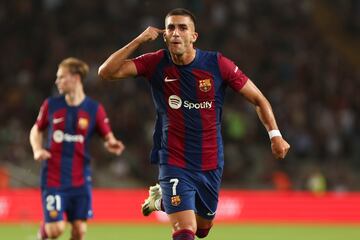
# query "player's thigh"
(183, 220)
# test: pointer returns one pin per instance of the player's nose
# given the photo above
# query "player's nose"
(176, 32)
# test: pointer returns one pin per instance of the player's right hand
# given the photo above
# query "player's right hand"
(279, 147)
(150, 34)
(41, 154)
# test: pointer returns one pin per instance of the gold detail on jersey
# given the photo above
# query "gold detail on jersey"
(205, 85)
(175, 200)
(83, 123)
(53, 213)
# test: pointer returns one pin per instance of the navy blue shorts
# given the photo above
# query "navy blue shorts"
(184, 189)
(76, 203)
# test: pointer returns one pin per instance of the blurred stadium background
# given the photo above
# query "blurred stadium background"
(303, 54)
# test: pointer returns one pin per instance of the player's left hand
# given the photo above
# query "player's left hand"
(279, 147)
(114, 146)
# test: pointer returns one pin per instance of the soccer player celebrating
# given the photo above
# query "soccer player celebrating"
(71, 119)
(188, 87)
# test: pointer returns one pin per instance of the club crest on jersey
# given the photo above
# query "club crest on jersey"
(175, 200)
(83, 123)
(53, 213)
(205, 85)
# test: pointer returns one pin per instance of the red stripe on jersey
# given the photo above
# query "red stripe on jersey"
(54, 163)
(176, 127)
(205, 91)
(77, 174)
(42, 120)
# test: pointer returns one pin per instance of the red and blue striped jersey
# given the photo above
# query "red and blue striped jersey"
(188, 101)
(69, 131)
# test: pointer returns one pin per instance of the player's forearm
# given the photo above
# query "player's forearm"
(36, 138)
(111, 68)
(262, 105)
(266, 115)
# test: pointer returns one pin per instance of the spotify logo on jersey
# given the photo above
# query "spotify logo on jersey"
(59, 137)
(175, 102)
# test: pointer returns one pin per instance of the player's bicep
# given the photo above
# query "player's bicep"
(36, 135)
(127, 69)
(35, 131)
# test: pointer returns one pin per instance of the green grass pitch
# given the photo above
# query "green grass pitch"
(219, 232)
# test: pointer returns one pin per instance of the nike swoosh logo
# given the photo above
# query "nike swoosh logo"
(211, 214)
(170, 79)
(58, 120)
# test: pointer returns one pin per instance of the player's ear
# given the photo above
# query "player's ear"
(194, 37)
(78, 78)
(164, 36)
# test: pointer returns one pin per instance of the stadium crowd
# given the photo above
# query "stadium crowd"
(311, 80)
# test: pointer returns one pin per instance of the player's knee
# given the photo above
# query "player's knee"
(202, 232)
(78, 231)
(78, 235)
(54, 230)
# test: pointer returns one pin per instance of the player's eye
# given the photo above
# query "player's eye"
(171, 27)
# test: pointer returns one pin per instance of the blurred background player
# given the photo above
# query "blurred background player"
(188, 87)
(71, 120)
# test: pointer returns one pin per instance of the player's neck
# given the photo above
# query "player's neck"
(185, 58)
(75, 98)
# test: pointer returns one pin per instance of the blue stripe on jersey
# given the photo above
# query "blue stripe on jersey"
(157, 92)
(68, 148)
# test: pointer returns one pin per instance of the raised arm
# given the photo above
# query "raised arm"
(263, 108)
(118, 65)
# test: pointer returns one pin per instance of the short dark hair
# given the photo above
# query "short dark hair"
(182, 12)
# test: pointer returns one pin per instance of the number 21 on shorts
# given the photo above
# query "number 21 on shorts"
(53, 202)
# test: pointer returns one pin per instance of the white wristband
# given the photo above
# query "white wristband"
(274, 133)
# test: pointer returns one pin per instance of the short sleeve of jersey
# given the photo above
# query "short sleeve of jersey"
(42, 120)
(231, 73)
(146, 63)
(102, 121)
